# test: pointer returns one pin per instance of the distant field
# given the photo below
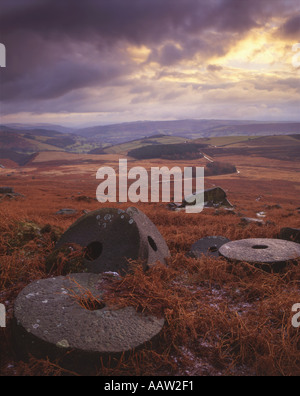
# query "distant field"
(224, 140)
(54, 156)
(285, 148)
(126, 147)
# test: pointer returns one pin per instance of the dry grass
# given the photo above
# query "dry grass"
(85, 298)
(221, 319)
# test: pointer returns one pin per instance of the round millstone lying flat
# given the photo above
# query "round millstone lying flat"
(112, 236)
(49, 321)
(268, 254)
(208, 246)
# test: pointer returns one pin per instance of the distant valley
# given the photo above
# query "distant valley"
(19, 142)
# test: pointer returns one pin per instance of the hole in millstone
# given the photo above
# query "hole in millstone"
(213, 249)
(93, 251)
(152, 243)
(260, 247)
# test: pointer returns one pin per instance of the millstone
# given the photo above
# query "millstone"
(290, 234)
(112, 236)
(50, 322)
(208, 246)
(268, 254)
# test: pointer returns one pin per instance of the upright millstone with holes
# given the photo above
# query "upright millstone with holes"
(271, 255)
(113, 236)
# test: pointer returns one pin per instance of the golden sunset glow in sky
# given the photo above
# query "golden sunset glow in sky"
(117, 61)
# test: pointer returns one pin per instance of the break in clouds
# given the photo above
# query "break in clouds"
(124, 60)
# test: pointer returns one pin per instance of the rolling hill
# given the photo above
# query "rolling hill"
(242, 137)
(284, 147)
(155, 140)
(188, 129)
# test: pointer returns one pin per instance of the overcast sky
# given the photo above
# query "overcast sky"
(109, 61)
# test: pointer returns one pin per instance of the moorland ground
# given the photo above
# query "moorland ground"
(221, 319)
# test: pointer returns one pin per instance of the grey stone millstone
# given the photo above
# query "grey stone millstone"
(268, 254)
(50, 322)
(112, 236)
(208, 246)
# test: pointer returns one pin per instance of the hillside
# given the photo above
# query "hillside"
(169, 151)
(189, 129)
(286, 148)
(9, 158)
(136, 144)
(36, 140)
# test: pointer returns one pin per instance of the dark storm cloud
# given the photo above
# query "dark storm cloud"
(55, 47)
(291, 28)
(138, 21)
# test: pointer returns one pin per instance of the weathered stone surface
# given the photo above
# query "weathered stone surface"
(112, 236)
(248, 220)
(212, 197)
(50, 322)
(66, 211)
(208, 246)
(268, 254)
(290, 234)
(271, 207)
(6, 190)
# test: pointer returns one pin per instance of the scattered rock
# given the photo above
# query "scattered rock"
(290, 234)
(112, 236)
(6, 190)
(7, 193)
(84, 198)
(213, 198)
(271, 255)
(270, 223)
(5, 197)
(174, 206)
(51, 322)
(261, 214)
(208, 246)
(248, 220)
(68, 212)
(225, 211)
(271, 207)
